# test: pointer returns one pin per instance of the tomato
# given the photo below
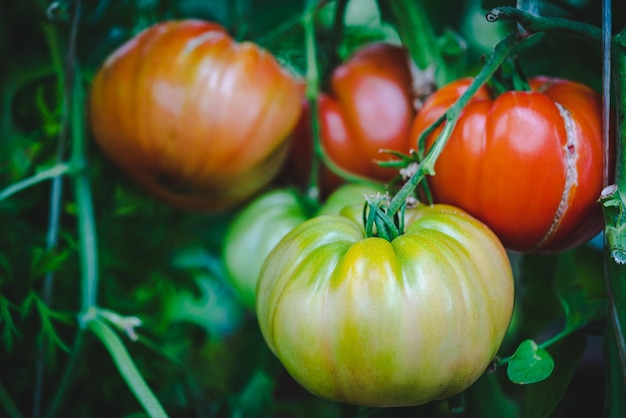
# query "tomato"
(377, 323)
(369, 108)
(193, 117)
(529, 164)
(258, 227)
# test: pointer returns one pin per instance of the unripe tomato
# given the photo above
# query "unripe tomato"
(371, 322)
(529, 164)
(258, 227)
(369, 108)
(192, 116)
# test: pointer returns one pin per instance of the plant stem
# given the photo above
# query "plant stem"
(47, 174)
(547, 343)
(68, 375)
(7, 403)
(427, 167)
(82, 190)
(312, 94)
(535, 24)
(419, 37)
(126, 367)
(56, 189)
(614, 207)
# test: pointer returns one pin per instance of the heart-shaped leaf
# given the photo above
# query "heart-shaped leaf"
(529, 364)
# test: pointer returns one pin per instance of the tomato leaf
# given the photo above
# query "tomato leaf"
(529, 364)
(256, 400)
(486, 399)
(580, 287)
(363, 24)
(215, 309)
(541, 399)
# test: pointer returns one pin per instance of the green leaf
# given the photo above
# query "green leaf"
(9, 331)
(45, 261)
(364, 25)
(256, 400)
(216, 310)
(580, 287)
(529, 364)
(541, 399)
(47, 317)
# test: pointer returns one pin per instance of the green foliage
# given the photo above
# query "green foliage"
(529, 364)
(168, 336)
(542, 398)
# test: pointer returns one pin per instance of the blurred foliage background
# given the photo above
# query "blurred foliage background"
(198, 348)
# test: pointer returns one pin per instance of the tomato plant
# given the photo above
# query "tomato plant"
(369, 108)
(122, 305)
(367, 321)
(258, 227)
(192, 116)
(527, 163)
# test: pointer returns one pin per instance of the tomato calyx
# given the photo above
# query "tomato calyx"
(379, 221)
(509, 77)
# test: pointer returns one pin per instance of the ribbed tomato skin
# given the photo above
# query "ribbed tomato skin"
(371, 322)
(527, 163)
(192, 116)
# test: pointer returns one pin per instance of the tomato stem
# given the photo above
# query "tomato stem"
(536, 24)
(614, 205)
(418, 35)
(312, 92)
(502, 50)
(509, 77)
(427, 166)
(53, 172)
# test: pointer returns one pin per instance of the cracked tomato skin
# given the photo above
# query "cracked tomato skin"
(193, 117)
(529, 164)
(370, 322)
(369, 107)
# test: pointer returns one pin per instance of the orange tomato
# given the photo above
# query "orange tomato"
(193, 117)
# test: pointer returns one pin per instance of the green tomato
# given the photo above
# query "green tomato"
(257, 229)
(254, 233)
(377, 323)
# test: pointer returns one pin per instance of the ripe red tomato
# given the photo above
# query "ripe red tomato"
(192, 116)
(369, 108)
(527, 163)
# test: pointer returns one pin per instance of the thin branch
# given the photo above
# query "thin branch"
(56, 189)
(50, 173)
(535, 24)
(126, 366)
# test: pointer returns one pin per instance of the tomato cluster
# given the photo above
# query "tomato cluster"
(205, 123)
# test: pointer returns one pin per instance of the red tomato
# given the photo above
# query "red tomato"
(368, 109)
(527, 163)
(192, 116)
